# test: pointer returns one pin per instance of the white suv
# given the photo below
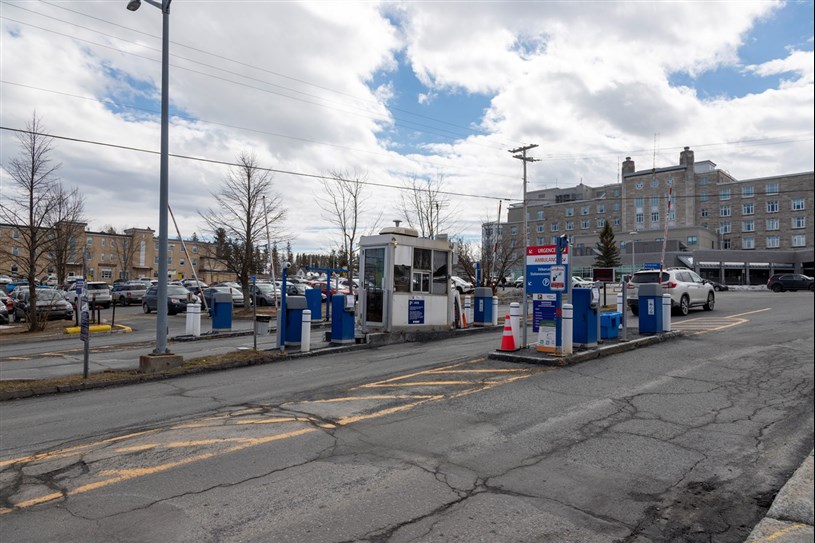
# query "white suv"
(686, 288)
(98, 292)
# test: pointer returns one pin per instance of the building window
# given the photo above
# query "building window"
(748, 192)
(194, 249)
(601, 208)
(748, 226)
(585, 210)
(724, 211)
(672, 216)
(615, 206)
(89, 241)
(773, 224)
(555, 227)
(180, 262)
(748, 209)
(772, 188)
(724, 194)
(773, 242)
(799, 241)
(107, 273)
(512, 243)
(798, 204)
(102, 257)
(799, 222)
(748, 242)
(772, 207)
(570, 212)
(584, 224)
(540, 228)
(169, 260)
(569, 225)
(601, 223)
(654, 202)
(693, 240)
(617, 221)
(724, 227)
(15, 251)
(640, 218)
(540, 215)
(703, 180)
(704, 212)
(655, 216)
(513, 231)
(15, 234)
(703, 196)
(103, 241)
(540, 240)
(639, 202)
(726, 243)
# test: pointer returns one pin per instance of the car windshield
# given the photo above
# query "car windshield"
(176, 290)
(97, 286)
(49, 295)
(649, 277)
(265, 287)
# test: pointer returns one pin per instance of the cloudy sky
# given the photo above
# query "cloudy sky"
(401, 91)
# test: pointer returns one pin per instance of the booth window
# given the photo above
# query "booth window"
(441, 277)
(422, 259)
(401, 278)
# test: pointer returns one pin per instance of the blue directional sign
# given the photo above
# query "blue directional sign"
(539, 262)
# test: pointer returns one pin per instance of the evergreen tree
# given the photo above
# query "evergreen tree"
(609, 253)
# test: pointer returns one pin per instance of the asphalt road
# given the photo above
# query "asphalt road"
(687, 440)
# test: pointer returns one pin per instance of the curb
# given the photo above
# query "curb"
(99, 328)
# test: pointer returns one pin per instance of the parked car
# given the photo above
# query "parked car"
(579, 282)
(266, 293)
(128, 293)
(519, 282)
(98, 292)
(686, 288)
(237, 295)
(51, 305)
(4, 314)
(718, 287)
(300, 289)
(462, 286)
(790, 281)
(177, 299)
(6, 301)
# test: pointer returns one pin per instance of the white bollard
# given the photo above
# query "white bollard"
(468, 309)
(305, 332)
(495, 310)
(620, 309)
(567, 329)
(666, 312)
(515, 321)
(193, 323)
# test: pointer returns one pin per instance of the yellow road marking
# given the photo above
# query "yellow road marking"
(118, 476)
(784, 531)
(416, 384)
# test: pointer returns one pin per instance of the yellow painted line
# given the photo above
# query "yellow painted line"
(389, 411)
(373, 397)
(409, 375)
(416, 384)
(751, 312)
(475, 371)
(784, 531)
(18, 358)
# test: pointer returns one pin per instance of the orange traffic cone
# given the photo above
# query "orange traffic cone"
(507, 340)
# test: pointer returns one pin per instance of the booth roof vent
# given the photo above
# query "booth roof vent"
(401, 230)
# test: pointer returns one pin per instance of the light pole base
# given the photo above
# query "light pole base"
(152, 363)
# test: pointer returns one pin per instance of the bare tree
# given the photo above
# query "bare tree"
(427, 208)
(123, 248)
(239, 222)
(343, 203)
(468, 253)
(29, 206)
(65, 234)
(498, 255)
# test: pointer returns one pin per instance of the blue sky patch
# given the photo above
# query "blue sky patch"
(135, 98)
(786, 29)
(444, 116)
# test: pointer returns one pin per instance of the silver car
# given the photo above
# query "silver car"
(686, 288)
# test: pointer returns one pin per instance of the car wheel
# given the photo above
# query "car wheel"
(684, 306)
(711, 301)
(812, 288)
(717, 288)
(123, 301)
(777, 288)
(635, 310)
(145, 307)
(261, 302)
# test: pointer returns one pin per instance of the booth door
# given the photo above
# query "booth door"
(373, 284)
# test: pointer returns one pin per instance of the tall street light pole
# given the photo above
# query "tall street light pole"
(163, 205)
(523, 158)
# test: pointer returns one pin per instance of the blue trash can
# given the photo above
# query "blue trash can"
(295, 305)
(649, 301)
(314, 301)
(610, 324)
(221, 311)
(584, 317)
(482, 310)
(342, 319)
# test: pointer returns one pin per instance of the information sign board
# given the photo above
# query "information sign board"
(539, 262)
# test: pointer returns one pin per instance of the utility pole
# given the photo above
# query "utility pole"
(522, 157)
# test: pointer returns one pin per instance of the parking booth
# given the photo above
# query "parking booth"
(221, 311)
(314, 301)
(342, 319)
(405, 282)
(482, 312)
(649, 300)
(585, 316)
(295, 305)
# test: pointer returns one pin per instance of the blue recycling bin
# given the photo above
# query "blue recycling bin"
(314, 301)
(295, 305)
(482, 309)
(585, 317)
(649, 301)
(342, 319)
(221, 311)
(610, 324)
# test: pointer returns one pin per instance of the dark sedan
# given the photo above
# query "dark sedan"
(177, 299)
(718, 287)
(791, 281)
(51, 305)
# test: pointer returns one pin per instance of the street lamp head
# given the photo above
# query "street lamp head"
(133, 5)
